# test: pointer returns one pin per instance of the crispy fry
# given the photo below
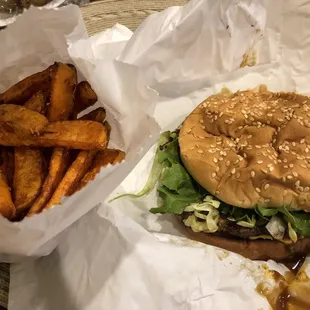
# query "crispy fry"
(57, 168)
(102, 159)
(23, 90)
(62, 93)
(97, 115)
(28, 177)
(79, 167)
(61, 106)
(83, 135)
(7, 208)
(72, 177)
(84, 97)
(37, 103)
(21, 119)
(108, 127)
(28, 163)
(8, 168)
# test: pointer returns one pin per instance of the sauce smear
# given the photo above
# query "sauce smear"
(290, 291)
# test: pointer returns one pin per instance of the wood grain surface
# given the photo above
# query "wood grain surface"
(106, 13)
(99, 16)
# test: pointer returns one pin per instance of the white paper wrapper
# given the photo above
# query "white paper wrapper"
(129, 258)
(36, 40)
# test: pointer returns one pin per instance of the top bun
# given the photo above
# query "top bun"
(251, 148)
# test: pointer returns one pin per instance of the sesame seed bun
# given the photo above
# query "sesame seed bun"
(253, 249)
(251, 148)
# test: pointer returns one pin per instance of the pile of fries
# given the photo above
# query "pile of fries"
(47, 152)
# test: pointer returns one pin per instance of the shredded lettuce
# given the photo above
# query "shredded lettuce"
(208, 221)
(248, 222)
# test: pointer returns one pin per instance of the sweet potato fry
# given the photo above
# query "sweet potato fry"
(7, 208)
(83, 135)
(84, 97)
(23, 90)
(62, 93)
(28, 163)
(57, 168)
(72, 177)
(61, 106)
(79, 167)
(97, 115)
(102, 159)
(108, 127)
(28, 177)
(37, 103)
(8, 168)
(22, 119)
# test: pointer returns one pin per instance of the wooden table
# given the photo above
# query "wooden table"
(98, 16)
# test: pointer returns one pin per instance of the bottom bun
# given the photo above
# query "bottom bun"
(252, 249)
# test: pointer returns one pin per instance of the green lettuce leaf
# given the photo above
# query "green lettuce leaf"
(301, 223)
(176, 178)
(173, 202)
(156, 170)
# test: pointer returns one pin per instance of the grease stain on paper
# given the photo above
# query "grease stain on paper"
(249, 58)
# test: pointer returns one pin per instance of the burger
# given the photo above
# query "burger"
(236, 173)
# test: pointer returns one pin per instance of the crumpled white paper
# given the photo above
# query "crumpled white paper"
(36, 40)
(123, 257)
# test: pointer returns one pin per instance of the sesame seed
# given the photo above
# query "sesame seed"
(213, 175)
(285, 192)
(257, 189)
(291, 165)
(259, 162)
(284, 179)
(302, 141)
(215, 160)
(252, 174)
(191, 148)
(295, 174)
(233, 171)
(217, 192)
(217, 169)
(271, 169)
(301, 189)
(293, 143)
(290, 177)
(200, 151)
(201, 121)
(221, 158)
(227, 163)
(297, 183)
(266, 186)
(306, 189)
(238, 175)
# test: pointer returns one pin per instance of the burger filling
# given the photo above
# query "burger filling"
(180, 194)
